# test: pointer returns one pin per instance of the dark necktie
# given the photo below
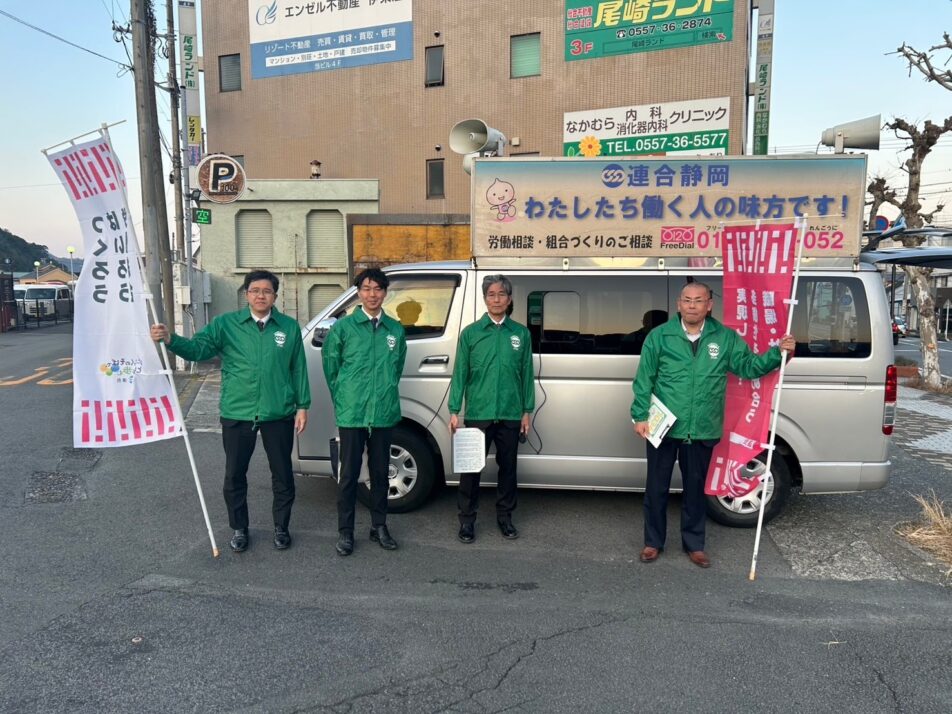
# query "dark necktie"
(373, 321)
(260, 325)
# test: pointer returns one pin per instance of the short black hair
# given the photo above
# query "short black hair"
(375, 274)
(256, 275)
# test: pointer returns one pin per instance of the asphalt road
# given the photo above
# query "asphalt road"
(110, 599)
(910, 347)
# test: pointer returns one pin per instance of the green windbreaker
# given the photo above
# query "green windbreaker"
(693, 385)
(363, 368)
(493, 371)
(263, 374)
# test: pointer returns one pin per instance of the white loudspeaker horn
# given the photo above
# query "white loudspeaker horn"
(474, 135)
(859, 134)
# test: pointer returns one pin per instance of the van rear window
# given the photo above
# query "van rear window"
(831, 318)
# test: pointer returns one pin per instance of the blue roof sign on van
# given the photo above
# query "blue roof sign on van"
(571, 207)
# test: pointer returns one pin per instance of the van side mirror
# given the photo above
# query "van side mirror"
(321, 330)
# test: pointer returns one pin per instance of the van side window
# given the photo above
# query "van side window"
(421, 303)
(589, 314)
(831, 318)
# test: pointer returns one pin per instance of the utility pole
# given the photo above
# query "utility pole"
(155, 215)
(176, 136)
(146, 122)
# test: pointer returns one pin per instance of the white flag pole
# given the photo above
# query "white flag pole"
(778, 390)
(175, 400)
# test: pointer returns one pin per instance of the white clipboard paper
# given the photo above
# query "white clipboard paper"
(660, 421)
(469, 451)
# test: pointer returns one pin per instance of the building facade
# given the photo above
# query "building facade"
(371, 88)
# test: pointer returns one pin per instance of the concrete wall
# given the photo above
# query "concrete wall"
(289, 203)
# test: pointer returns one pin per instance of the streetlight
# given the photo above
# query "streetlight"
(36, 267)
(70, 249)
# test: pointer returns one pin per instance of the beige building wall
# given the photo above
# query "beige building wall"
(380, 121)
(288, 203)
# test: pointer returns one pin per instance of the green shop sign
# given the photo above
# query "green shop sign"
(663, 144)
(605, 28)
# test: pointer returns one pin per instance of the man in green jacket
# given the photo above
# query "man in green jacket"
(264, 387)
(684, 363)
(363, 358)
(493, 371)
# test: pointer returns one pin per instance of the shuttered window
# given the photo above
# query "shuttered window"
(525, 55)
(320, 296)
(255, 243)
(229, 73)
(326, 246)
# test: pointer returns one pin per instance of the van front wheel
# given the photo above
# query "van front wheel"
(742, 512)
(412, 473)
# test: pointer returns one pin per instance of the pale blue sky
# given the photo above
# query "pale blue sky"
(830, 66)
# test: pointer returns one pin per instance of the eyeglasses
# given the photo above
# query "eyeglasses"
(260, 291)
(494, 296)
(694, 301)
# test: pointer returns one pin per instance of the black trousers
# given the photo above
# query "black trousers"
(505, 435)
(352, 443)
(693, 459)
(239, 439)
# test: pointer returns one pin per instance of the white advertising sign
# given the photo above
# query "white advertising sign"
(292, 37)
(694, 127)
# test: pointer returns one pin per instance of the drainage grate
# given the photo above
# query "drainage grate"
(55, 487)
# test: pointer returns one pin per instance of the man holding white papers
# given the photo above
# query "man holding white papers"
(493, 372)
(684, 364)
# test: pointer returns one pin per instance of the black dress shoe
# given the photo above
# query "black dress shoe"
(380, 534)
(508, 530)
(467, 532)
(282, 539)
(239, 541)
(345, 543)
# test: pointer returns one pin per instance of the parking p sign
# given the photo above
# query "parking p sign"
(221, 178)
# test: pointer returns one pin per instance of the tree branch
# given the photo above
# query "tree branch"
(923, 62)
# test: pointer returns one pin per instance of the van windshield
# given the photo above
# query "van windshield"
(40, 293)
(18, 294)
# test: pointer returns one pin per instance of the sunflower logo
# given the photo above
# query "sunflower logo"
(589, 146)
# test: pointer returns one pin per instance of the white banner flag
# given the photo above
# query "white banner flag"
(120, 396)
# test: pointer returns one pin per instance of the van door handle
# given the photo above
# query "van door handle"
(436, 359)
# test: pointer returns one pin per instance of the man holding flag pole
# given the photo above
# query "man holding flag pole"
(264, 388)
(684, 364)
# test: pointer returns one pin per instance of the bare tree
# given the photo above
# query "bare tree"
(921, 141)
(923, 61)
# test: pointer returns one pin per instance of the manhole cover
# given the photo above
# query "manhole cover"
(55, 487)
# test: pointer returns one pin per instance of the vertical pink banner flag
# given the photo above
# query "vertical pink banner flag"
(758, 276)
(120, 395)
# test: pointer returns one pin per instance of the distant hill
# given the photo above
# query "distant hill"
(21, 253)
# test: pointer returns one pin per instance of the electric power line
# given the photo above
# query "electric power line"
(57, 37)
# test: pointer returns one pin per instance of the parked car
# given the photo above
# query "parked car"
(836, 415)
(899, 326)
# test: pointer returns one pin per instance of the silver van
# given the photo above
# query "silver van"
(837, 408)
